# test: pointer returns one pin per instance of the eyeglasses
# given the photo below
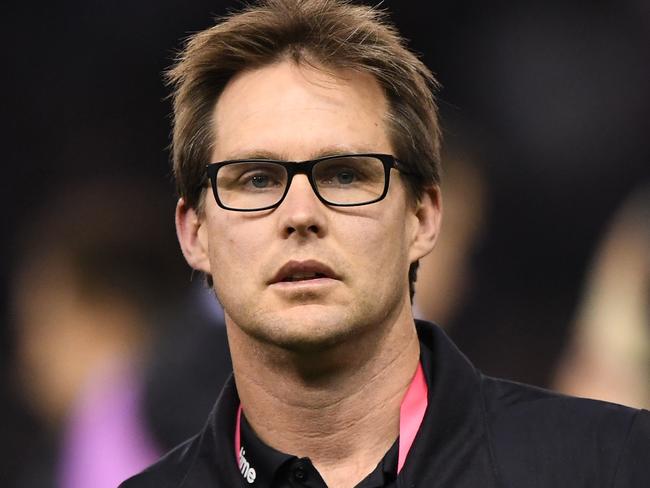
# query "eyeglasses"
(348, 180)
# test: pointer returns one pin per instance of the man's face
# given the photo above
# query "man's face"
(264, 263)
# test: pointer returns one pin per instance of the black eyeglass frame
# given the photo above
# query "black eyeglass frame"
(305, 168)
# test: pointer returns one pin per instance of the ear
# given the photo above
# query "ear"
(192, 236)
(428, 219)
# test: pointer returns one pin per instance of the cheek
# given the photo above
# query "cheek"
(235, 247)
(379, 244)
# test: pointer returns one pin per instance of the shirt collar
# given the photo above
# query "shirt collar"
(259, 462)
(261, 465)
(452, 434)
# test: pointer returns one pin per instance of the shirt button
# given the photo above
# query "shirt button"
(299, 473)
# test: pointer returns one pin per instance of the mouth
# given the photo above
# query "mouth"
(303, 271)
(303, 277)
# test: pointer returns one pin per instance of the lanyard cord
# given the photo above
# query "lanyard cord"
(411, 415)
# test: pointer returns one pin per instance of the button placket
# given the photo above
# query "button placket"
(299, 474)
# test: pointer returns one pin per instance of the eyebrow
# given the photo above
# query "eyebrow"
(323, 152)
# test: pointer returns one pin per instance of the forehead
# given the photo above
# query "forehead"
(291, 111)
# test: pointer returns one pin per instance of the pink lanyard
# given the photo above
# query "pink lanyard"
(411, 414)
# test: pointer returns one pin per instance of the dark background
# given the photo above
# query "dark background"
(553, 96)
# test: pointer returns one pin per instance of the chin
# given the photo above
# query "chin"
(310, 331)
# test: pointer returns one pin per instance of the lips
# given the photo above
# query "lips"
(294, 271)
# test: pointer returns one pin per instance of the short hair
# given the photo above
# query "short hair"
(328, 34)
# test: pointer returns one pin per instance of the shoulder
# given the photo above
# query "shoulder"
(170, 471)
(510, 403)
(593, 443)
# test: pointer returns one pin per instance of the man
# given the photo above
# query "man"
(306, 150)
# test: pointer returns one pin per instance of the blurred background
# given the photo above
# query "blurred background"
(111, 351)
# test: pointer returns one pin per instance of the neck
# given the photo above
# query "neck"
(339, 407)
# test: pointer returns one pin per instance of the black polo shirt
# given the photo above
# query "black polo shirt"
(477, 432)
(266, 467)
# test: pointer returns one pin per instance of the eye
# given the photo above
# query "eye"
(260, 177)
(260, 180)
(345, 176)
(339, 175)
(239, 178)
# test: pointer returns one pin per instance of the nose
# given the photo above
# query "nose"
(301, 212)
